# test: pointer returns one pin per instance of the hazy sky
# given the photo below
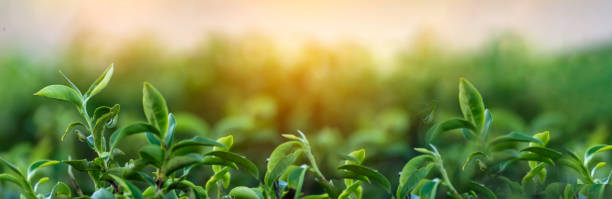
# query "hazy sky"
(42, 25)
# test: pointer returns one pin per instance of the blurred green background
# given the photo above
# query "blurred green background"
(339, 93)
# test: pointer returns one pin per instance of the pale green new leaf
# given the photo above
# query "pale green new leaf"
(61, 92)
(242, 192)
(100, 83)
(155, 108)
(471, 103)
(39, 164)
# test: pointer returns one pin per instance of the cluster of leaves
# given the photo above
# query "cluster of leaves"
(164, 164)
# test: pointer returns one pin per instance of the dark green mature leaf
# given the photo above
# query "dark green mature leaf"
(242, 192)
(429, 189)
(61, 92)
(170, 134)
(71, 126)
(129, 187)
(546, 152)
(100, 83)
(240, 160)
(372, 174)
(155, 108)
(593, 150)
(483, 191)
(152, 154)
(514, 137)
(82, 165)
(39, 164)
(138, 127)
(595, 191)
(102, 194)
(152, 139)
(296, 179)
(177, 163)
(100, 124)
(451, 124)
(471, 103)
(197, 141)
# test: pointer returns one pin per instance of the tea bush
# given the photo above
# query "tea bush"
(163, 166)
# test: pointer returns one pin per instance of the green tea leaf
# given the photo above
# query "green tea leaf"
(61, 92)
(242, 192)
(129, 187)
(350, 190)
(323, 196)
(13, 168)
(155, 108)
(39, 164)
(170, 134)
(138, 127)
(196, 141)
(152, 154)
(100, 124)
(451, 124)
(372, 174)
(359, 155)
(593, 150)
(100, 83)
(429, 189)
(543, 136)
(546, 152)
(280, 159)
(240, 160)
(471, 103)
(177, 163)
(296, 179)
(410, 177)
(483, 190)
(102, 194)
(532, 173)
(11, 178)
(487, 124)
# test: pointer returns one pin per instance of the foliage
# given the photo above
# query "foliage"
(164, 165)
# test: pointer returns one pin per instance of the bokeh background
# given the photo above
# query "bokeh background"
(350, 74)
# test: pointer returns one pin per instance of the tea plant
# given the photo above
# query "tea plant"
(164, 165)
